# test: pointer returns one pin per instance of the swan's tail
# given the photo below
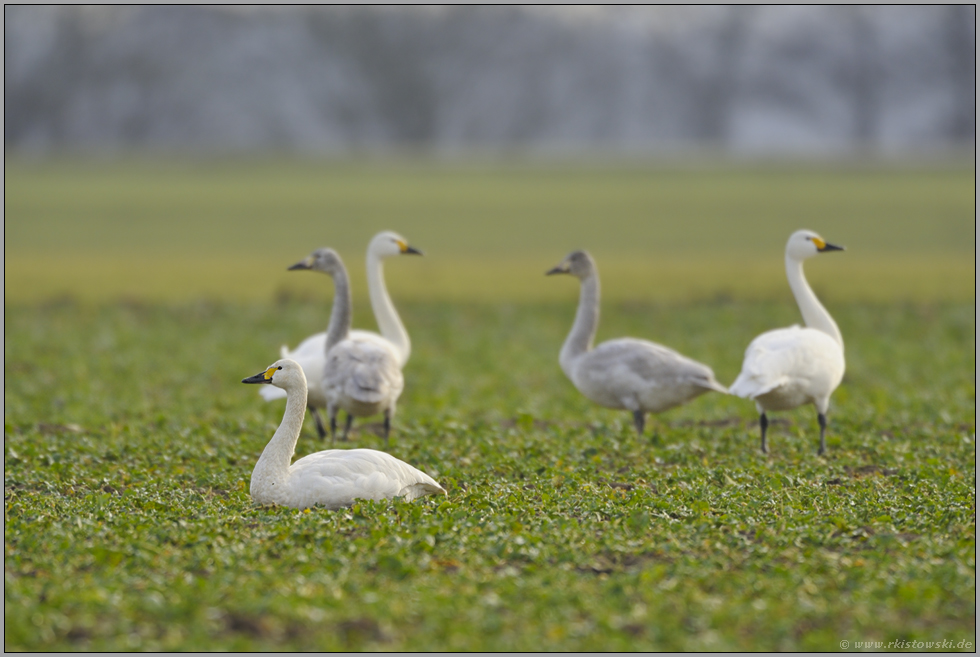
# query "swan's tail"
(704, 377)
(749, 387)
(421, 489)
(712, 384)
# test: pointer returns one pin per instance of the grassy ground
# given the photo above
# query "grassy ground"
(128, 441)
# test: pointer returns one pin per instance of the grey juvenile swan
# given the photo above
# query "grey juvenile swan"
(625, 373)
(311, 353)
(361, 375)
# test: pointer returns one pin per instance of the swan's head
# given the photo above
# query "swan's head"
(805, 244)
(283, 374)
(576, 263)
(326, 260)
(388, 243)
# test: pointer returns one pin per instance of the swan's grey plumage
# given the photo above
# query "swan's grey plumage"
(789, 367)
(360, 376)
(311, 352)
(627, 373)
(333, 478)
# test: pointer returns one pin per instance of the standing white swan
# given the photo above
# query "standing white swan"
(311, 353)
(361, 375)
(626, 373)
(789, 367)
(333, 478)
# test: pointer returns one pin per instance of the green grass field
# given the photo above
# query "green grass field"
(138, 296)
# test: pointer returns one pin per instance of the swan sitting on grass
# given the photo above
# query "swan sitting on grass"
(361, 375)
(789, 367)
(311, 353)
(333, 478)
(626, 373)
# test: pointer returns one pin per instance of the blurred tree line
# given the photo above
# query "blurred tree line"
(740, 79)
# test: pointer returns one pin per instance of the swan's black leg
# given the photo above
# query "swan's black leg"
(639, 420)
(333, 427)
(350, 421)
(763, 425)
(320, 431)
(387, 426)
(822, 419)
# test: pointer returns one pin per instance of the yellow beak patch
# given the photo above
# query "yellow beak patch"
(820, 244)
(269, 372)
(402, 246)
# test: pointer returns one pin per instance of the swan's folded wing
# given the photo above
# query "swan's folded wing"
(771, 360)
(338, 477)
(366, 383)
(650, 362)
(365, 370)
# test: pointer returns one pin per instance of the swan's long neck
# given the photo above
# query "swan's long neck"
(271, 473)
(340, 316)
(579, 340)
(814, 314)
(389, 323)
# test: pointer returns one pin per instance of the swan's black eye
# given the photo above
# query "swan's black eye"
(279, 368)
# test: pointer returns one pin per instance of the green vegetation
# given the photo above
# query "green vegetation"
(128, 439)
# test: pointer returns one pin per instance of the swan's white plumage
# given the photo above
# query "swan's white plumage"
(627, 373)
(333, 478)
(789, 367)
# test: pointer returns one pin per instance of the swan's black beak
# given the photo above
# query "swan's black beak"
(411, 250)
(302, 264)
(556, 270)
(261, 377)
(831, 247)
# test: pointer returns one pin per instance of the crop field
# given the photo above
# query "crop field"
(138, 295)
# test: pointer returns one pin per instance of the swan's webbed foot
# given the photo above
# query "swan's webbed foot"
(639, 419)
(763, 425)
(347, 425)
(822, 419)
(320, 431)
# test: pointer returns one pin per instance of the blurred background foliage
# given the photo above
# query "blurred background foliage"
(174, 153)
(737, 79)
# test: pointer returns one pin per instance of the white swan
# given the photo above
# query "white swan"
(626, 373)
(311, 353)
(333, 478)
(361, 375)
(789, 367)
